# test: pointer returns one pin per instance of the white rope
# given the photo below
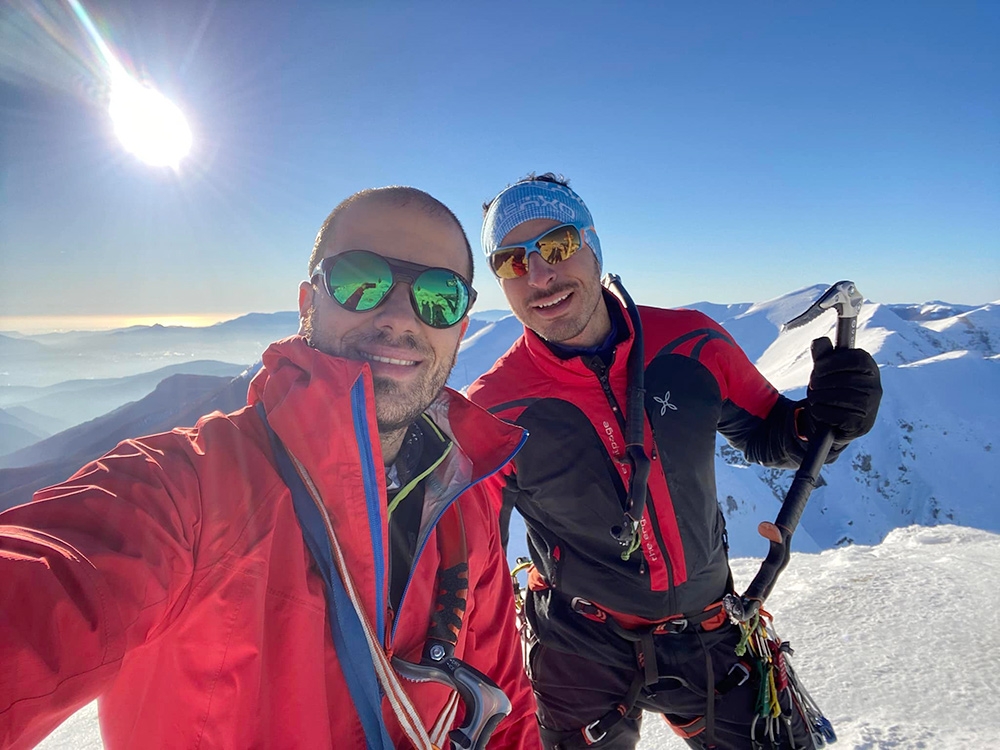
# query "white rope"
(439, 732)
(403, 708)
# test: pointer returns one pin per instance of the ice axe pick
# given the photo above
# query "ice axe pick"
(845, 298)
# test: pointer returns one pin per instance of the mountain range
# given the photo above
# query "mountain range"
(931, 458)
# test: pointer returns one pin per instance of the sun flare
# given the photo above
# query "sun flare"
(149, 125)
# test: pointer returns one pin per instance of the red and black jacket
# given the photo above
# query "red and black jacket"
(569, 481)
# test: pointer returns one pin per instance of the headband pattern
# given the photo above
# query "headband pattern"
(537, 199)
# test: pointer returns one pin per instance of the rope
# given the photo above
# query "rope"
(400, 702)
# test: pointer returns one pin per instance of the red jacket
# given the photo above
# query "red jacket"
(170, 578)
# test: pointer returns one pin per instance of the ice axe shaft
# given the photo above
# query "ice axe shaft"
(845, 298)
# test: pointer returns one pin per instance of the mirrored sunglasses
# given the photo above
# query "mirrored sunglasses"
(553, 245)
(359, 281)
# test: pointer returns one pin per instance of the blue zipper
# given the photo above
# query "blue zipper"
(373, 504)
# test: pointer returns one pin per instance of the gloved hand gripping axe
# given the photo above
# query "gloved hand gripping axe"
(845, 298)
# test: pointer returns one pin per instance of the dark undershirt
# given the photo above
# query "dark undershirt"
(421, 448)
(605, 350)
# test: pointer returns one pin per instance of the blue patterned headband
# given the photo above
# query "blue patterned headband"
(537, 199)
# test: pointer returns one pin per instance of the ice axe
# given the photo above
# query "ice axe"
(485, 703)
(845, 298)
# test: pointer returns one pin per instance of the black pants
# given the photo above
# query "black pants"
(573, 691)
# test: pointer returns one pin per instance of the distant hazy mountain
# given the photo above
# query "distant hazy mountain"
(53, 358)
(66, 404)
(932, 457)
(179, 400)
(19, 346)
(16, 432)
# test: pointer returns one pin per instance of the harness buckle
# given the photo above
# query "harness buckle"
(678, 625)
(587, 608)
(588, 734)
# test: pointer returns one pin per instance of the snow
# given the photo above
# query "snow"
(898, 643)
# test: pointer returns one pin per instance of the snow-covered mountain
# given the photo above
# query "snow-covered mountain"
(931, 458)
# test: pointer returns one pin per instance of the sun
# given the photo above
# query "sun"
(149, 125)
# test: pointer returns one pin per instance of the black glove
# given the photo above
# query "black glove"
(844, 392)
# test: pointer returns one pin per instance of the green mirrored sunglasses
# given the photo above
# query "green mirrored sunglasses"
(359, 281)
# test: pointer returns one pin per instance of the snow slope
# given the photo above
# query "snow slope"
(898, 643)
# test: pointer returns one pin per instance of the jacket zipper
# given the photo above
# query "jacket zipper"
(422, 542)
(596, 365)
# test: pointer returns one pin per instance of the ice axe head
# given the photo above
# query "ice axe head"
(843, 297)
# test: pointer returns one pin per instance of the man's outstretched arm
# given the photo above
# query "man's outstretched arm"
(88, 571)
(844, 394)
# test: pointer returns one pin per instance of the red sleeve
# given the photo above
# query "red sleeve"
(88, 570)
(494, 648)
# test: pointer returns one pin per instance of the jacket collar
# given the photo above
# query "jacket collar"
(306, 395)
(539, 351)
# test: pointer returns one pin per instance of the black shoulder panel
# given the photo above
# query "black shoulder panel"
(705, 334)
(522, 402)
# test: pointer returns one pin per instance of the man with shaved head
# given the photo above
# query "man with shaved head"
(319, 569)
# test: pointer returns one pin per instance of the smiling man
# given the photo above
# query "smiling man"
(624, 609)
(319, 569)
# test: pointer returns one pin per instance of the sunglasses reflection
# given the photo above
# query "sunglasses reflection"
(361, 281)
(354, 300)
(437, 309)
(554, 246)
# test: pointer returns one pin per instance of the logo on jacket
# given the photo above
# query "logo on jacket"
(664, 403)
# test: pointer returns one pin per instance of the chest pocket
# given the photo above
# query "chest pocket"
(683, 406)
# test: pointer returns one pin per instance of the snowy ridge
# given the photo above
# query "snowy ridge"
(931, 458)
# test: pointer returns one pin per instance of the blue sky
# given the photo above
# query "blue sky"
(729, 151)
